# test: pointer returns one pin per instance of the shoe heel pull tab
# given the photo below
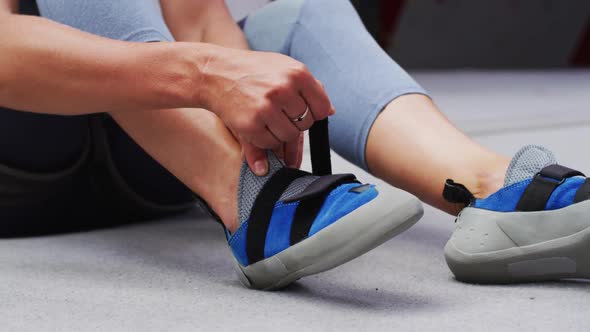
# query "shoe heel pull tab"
(457, 193)
(319, 145)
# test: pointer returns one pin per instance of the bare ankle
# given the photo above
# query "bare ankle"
(224, 202)
(481, 184)
(490, 179)
(220, 190)
(222, 199)
(228, 214)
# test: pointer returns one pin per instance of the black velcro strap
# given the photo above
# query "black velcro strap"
(583, 192)
(539, 191)
(262, 211)
(304, 217)
(559, 172)
(311, 204)
(319, 144)
(457, 193)
(537, 194)
(322, 185)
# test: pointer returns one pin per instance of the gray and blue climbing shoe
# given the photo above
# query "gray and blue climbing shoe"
(294, 224)
(535, 228)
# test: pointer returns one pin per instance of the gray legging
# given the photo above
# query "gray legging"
(326, 35)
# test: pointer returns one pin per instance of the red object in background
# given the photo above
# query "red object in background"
(390, 13)
(582, 55)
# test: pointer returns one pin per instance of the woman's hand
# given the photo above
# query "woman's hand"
(266, 99)
(256, 94)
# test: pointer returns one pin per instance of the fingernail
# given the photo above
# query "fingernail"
(260, 168)
(332, 111)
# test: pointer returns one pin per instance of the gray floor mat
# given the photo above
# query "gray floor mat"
(176, 275)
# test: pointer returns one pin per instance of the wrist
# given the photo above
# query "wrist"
(171, 74)
(211, 79)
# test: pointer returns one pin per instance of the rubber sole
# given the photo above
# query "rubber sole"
(351, 236)
(565, 257)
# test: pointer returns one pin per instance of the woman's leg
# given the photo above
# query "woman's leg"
(384, 121)
(42, 183)
(192, 144)
(137, 21)
(197, 148)
(41, 143)
(413, 146)
(140, 171)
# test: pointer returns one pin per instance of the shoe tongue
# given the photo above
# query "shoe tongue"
(250, 185)
(527, 162)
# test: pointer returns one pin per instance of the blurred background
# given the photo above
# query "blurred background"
(475, 33)
(481, 33)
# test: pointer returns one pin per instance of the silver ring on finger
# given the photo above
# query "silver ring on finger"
(302, 116)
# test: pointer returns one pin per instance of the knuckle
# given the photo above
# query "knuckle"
(322, 110)
(265, 116)
(241, 125)
(321, 85)
(278, 90)
(263, 106)
(320, 115)
(288, 86)
(299, 71)
(256, 116)
(249, 126)
(302, 68)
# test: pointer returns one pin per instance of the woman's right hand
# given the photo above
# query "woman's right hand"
(261, 96)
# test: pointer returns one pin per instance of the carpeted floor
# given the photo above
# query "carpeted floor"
(176, 275)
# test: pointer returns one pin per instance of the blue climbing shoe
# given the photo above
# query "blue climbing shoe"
(535, 228)
(294, 224)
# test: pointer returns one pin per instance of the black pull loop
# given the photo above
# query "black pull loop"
(319, 144)
(457, 193)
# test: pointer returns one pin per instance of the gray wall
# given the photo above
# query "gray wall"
(475, 33)
(485, 33)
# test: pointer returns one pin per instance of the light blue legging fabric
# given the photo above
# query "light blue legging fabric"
(326, 35)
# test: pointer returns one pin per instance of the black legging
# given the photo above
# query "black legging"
(39, 143)
(33, 144)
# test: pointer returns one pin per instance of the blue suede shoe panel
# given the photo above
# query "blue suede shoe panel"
(564, 194)
(278, 236)
(237, 243)
(339, 203)
(506, 199)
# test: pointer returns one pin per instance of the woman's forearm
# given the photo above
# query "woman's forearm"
(47, 67)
